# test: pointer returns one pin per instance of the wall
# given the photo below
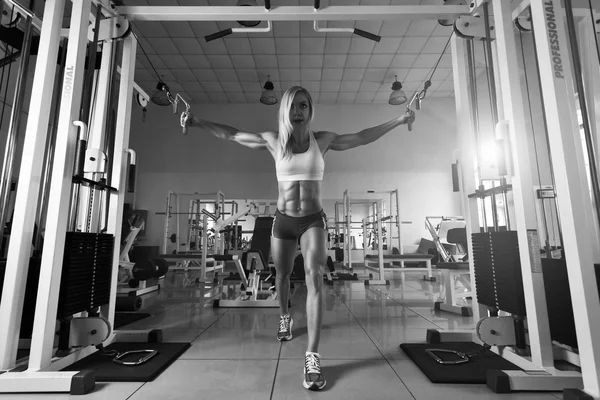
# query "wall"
(417, 163)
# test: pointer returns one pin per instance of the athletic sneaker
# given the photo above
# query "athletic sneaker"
(313, 378)
(285, 328)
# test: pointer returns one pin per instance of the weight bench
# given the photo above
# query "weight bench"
(453, 272)
(256, 262)
(402, 258)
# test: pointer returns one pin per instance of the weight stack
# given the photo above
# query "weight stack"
(507, 267)
(485, 280)
(86, 274)
(558, 299)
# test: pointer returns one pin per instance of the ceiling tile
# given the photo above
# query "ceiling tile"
(346, 97)
(412, 45)
(214, 47)
(348, 86)
(219, 61)
(370, 86)
(285, 85)
(238, 45)
(287, 45)
(312, 45)
(403, 60)
(328, 97)
(205, 75)
(265, 61)
(288, 61)
(441, 30)
(360, 45)
(417, 74)
(387, 45)
(236, 97)
(176, 87)
(231, 86)
(442, 73)
(183, 74)
(190, 2)
(375, 75)
(307, 30)
(425, 60)
(247, 75)
(399, 72)
(446, 60)
(357, 60)
(178, 29)
(226, 75)
(156, 62)
(380, 60)
(334, 61)
(188, 45)
(286, 29)
(193, 87)
(438, 93)
(144, 75)
(435, 45)
(289, 74)
(174, 61)
(268, 74)
(446, 86)
(211, 86)
(251, 86)
(373, 27)
(365, 97)
(311, 86)
(243, 61)
(203, 28)
(162, 2)
(142, 61)
(310, 74)
(146, 46)
(332, 74)
(330, 86)
(311, 61)
(421, 28)
(394, 28)
(412, 86)
(217, 97)
(262, 45)
(164, 46)
(381, 97)
(353, 74)
(197, 61)
(198, 96)
(337, 45)
(165, 74)
(150, 29)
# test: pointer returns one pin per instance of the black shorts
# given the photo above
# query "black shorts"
(292, 228)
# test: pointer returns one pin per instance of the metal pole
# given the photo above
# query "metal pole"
(14, 125)
(578, 73)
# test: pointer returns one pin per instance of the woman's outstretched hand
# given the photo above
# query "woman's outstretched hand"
(186, 119)
(408, 118)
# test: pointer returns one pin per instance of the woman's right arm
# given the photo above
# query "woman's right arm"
(221, 131)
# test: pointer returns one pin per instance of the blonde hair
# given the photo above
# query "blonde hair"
(285, 125)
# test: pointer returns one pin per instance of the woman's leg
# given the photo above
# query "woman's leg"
(283, 252)
(314, 250)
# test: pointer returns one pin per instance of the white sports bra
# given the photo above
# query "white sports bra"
(307, 166)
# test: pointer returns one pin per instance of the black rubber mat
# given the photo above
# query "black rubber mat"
(474, 371)
(107, 371)
(124, 318)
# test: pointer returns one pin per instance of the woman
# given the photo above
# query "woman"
(298, 154)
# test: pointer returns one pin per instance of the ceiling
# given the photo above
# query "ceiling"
(338, 68)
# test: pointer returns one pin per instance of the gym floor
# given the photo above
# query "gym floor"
(235, 354)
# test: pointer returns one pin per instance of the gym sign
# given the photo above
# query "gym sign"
(68, 82)
(553, 38)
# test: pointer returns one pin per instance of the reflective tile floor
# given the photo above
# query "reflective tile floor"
(234, 353)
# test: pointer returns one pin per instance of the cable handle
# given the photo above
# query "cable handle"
(175, 102)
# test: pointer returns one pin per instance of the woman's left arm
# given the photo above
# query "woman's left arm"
(369, 135)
